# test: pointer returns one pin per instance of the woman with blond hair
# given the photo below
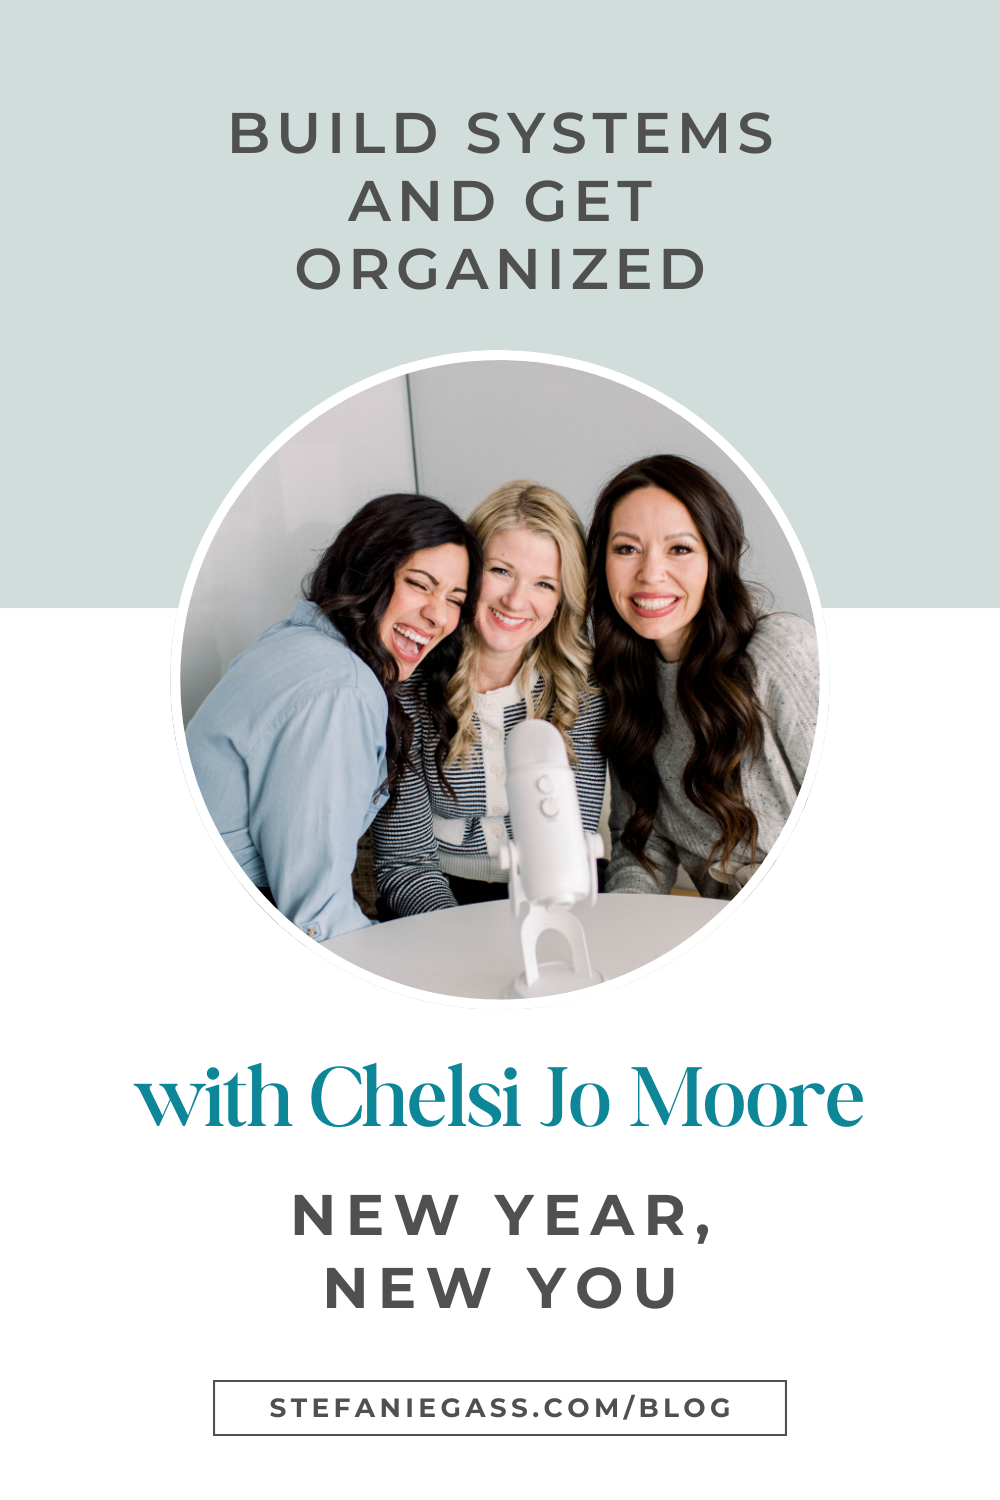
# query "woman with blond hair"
(526, 655)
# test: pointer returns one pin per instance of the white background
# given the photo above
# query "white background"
(144, 1262)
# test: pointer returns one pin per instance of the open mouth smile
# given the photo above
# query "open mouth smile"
(652, 606)
(508, 622)
(409, 643)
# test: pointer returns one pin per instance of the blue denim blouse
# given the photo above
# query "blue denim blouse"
(289, 753)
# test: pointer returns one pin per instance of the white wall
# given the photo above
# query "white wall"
(285, 518)
(475, 426)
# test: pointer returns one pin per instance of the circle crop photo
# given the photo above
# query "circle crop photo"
(499, 677)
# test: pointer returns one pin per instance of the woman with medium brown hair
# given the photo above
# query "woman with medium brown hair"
(712, 702)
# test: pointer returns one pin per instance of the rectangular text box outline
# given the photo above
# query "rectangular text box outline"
(498, 1380)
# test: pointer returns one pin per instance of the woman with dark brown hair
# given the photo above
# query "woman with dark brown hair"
(305, 737)
(711, 702)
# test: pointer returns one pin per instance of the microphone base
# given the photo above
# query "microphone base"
(557, 978)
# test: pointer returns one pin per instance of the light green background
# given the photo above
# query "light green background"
(157, 337)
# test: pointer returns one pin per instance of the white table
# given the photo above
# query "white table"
(475, 951)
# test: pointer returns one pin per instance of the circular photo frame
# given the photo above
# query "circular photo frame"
(461, 747)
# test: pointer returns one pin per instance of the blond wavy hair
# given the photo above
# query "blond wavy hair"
(562, 653)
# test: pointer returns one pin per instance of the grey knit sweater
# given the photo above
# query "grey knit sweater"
(783, 650)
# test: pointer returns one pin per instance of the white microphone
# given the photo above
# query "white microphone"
(552, 862)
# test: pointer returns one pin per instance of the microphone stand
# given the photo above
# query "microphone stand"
(557, 977)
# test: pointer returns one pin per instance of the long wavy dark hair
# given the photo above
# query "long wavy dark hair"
(715, 682)
(353, 585)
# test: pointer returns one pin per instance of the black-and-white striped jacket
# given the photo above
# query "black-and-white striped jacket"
(427, 836)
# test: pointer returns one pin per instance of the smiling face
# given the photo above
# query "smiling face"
(425, 605)
(520, 593)
(657, 568)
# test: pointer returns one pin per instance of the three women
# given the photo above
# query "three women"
(702, 705)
